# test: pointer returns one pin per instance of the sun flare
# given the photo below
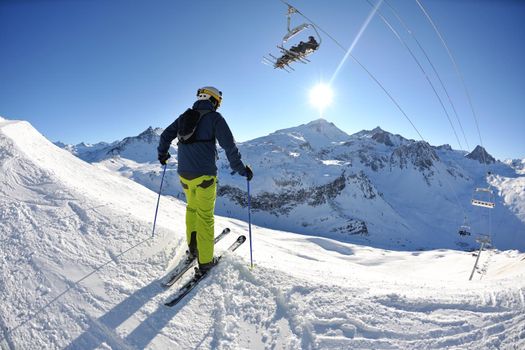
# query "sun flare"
(321, 96)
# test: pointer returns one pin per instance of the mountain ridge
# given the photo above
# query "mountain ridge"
(315, 176)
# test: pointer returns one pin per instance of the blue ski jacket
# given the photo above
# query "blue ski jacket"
(198, 158)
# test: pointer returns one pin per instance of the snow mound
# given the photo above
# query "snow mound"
(62, 218)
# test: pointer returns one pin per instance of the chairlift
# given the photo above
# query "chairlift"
(294, 53)
(464, 230)
(485, 240)
(293, 32)
(296, 30)
(483, 197)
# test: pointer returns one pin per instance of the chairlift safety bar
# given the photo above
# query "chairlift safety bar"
(481, 189)
(484, 204)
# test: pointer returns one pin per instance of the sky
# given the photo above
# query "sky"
(102, 70)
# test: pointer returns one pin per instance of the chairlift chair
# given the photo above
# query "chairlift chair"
(485, 239)
(483, 197)
(464, 230)
(293, 32)
(294, 53)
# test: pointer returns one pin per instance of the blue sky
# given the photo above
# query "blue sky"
(100, 70)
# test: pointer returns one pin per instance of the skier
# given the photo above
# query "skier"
(196, 130)
(311, 44)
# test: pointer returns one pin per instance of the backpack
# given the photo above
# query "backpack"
(188, 123)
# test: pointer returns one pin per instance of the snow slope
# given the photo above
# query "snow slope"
(517, 164)
(512, 190)
(80, 271)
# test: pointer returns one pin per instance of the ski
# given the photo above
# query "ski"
(183, 267)
(188, 286)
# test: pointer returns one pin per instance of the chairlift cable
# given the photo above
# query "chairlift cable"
(458, 72)
(315, 26)
(411, 33)
(469, 99)
(365, 69)
(404, 43)
(379, 84)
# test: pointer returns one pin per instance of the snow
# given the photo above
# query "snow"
(512, 190)
(372, 187)
(81, 271)
(517, 164)
(333, 162)
(317, 133)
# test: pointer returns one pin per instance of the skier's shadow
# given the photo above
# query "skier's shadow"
(103, 329)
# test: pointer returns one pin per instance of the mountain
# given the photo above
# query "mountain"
(516, 164)
(481, 155)
(317, 133)
(372, 187)
(81, 270)
(136, 148)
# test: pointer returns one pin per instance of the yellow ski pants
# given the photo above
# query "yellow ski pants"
(200, 206)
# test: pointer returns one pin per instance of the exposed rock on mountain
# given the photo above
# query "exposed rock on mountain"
(352, 227)
(418, 154)
(281, 203)
(481, 155)
(382, 137)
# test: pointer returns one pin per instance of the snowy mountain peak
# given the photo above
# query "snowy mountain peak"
(317, 133)
(481, 155)
(445, 147)
(376, 130)
(381, 136)
(370, 133)
(326, 128)
(321, 123)
(140, 148)
(420, 154)
(150, 134)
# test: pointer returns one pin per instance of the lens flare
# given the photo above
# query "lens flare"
(321, 96)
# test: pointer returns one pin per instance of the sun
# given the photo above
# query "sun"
(321, 96)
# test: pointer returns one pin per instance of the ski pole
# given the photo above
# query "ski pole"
(250, 223)
(158, 200)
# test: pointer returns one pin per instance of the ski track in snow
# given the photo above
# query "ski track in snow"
(62, 219)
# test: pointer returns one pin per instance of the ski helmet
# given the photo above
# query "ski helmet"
(210, 93)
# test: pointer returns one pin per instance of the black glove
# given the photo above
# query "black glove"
(163, 158)
(248, 173)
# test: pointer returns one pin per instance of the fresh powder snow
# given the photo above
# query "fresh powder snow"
(81, 270)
